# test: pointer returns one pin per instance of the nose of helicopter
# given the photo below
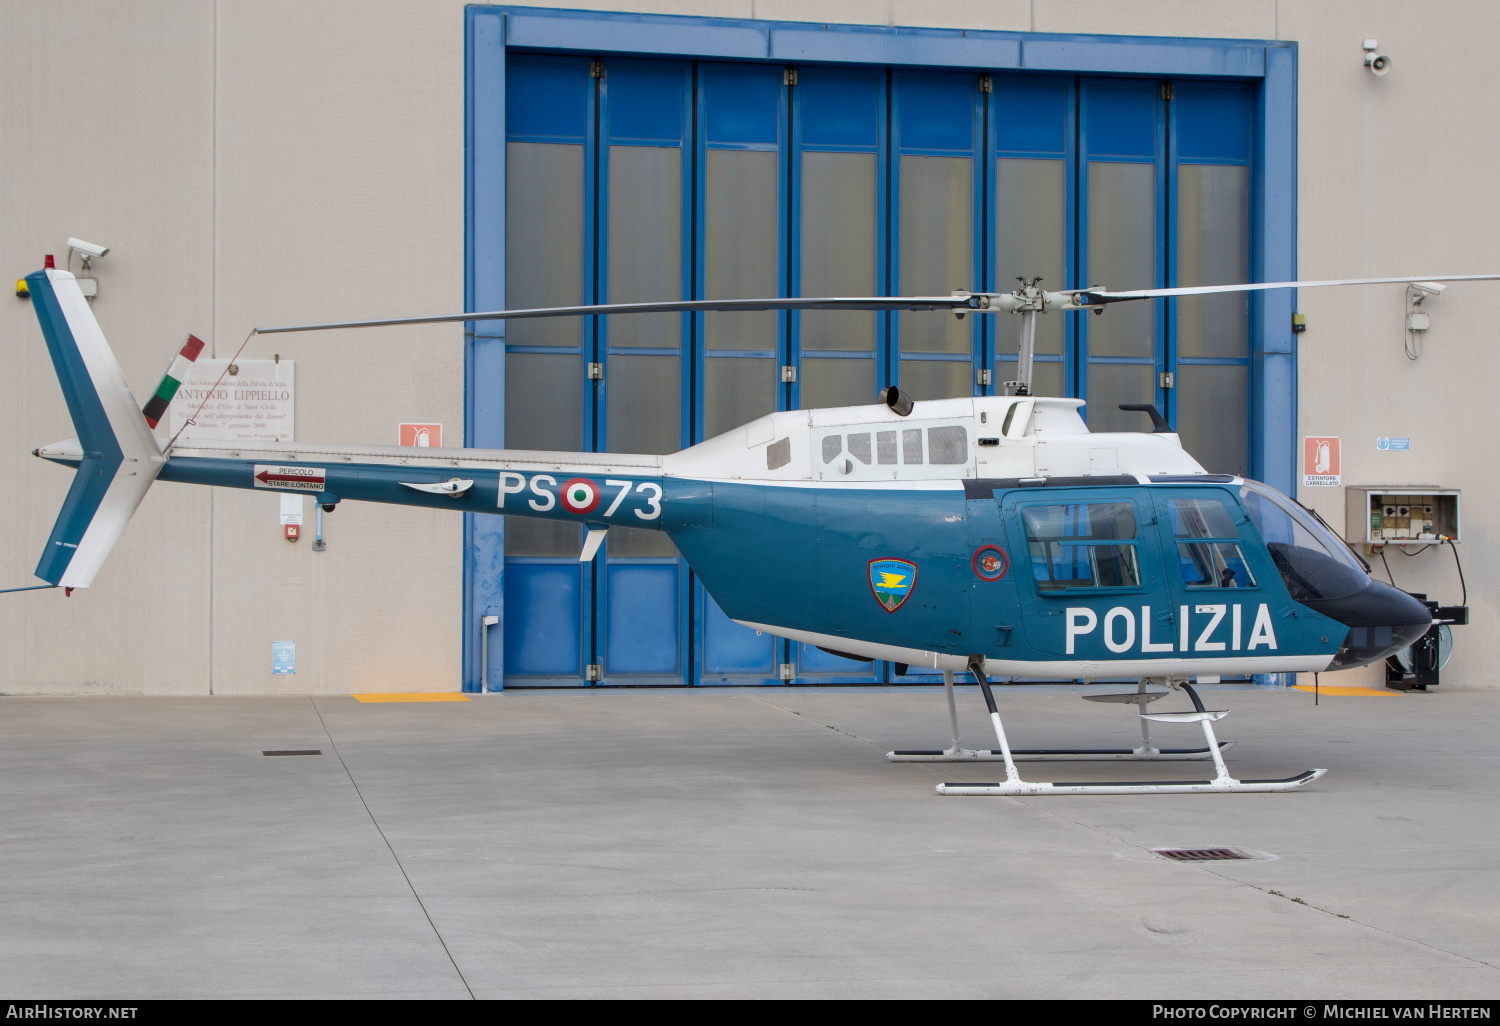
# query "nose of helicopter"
(1382, 620)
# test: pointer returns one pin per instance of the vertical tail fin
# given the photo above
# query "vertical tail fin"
(119, 457)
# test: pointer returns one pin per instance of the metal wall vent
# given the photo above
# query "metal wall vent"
(297, 751)
(1201, 854)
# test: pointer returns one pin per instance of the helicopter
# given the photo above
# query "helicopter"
(993, 535)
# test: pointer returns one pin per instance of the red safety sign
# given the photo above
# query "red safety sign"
(1320, 462)
(422, 435)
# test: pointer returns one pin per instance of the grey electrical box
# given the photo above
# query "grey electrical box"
(1401, 514)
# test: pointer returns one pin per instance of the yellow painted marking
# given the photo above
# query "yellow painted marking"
(421, 696)
(889, 580)
(1336, 690)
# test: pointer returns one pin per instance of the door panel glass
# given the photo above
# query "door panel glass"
(645, 243)
(1213, 415)
(544, 401)
(644, 401)
(629, 541)
(736, 390)
(838, 255)
(1122, 256)
(1031, 226)
(740, 258)
(544, 211)
(1047, 379)
(842, 382)
(937, 226)
(1111, 384)
(1213, 248)
(935, 379)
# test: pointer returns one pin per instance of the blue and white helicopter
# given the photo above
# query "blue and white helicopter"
(995, 535)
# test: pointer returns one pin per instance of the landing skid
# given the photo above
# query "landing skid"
(1146, 751)
(1222, 782)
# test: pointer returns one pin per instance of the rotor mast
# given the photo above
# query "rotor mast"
(1031, 303)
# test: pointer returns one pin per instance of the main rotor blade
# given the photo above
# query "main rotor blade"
(1203, 290)
(721, 305)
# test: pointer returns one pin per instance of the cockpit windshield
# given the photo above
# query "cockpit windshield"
(1315, 564)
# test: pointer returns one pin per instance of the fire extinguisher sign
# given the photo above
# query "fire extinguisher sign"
(421, 435)
(1320, 463)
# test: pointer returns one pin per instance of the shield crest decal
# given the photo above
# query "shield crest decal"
(892, 582)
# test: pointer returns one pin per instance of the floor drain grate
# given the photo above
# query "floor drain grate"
(1201, 854)
(297, 751)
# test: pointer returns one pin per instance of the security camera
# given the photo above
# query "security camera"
(88, 249)
(1378, 63)
(1422, 289)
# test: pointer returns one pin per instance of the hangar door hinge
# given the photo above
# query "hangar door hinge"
(983, 376)
(789, 76)
(1167, 380)
(593, 672)
(596, 69)
(788, 374)
(986, 84)
(596, 371)
(787, 673)
(1166, 90)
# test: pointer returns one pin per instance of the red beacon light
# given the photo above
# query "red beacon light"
(49, 263)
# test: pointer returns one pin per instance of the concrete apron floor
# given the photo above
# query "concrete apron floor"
(735, 843)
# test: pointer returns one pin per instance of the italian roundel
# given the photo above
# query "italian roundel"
(990, 562)
(580, 495)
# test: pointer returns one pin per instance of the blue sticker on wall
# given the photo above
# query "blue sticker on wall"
(892, 582)
(283, 657)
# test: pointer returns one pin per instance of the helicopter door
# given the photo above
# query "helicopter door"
(1088, 574)
(1211, 574)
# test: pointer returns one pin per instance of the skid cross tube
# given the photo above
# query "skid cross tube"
(1147, 751)
(1222, 783)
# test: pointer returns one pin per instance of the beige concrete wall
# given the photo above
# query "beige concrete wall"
(248, 163)
(258, 162)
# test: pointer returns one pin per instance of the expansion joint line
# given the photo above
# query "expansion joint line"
(394, 857)
(837, 730)
(1352, 919)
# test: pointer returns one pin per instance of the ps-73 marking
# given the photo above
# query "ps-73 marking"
(609, 499)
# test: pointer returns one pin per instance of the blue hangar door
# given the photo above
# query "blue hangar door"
(633, 180)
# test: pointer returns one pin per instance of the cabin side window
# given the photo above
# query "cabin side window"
(833, 447)
(1082, 545)
(911, 446)
(865, 455)
(778, 454)
(948, 446)
(1208, 551)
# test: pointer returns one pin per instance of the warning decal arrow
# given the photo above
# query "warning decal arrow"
(301, 479)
